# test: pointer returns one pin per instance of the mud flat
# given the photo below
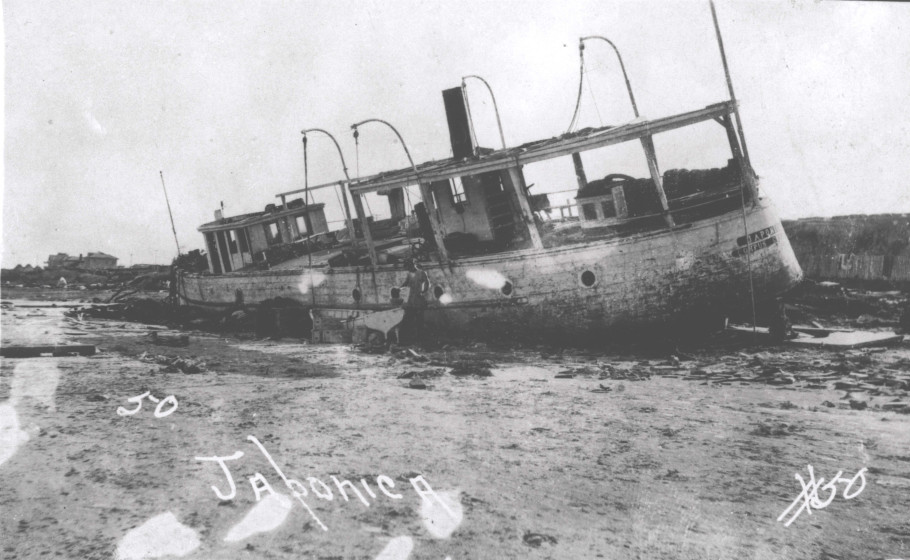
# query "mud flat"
(461, 451)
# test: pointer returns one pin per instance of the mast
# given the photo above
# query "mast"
(173, 229)
(723, 59)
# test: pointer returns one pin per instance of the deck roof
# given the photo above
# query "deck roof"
(253, 218)
(539, 150)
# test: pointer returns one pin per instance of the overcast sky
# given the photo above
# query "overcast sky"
(101, 95)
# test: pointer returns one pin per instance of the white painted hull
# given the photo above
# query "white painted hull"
(643, 279)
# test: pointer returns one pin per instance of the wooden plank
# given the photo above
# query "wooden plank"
(432, 214)
(365, 228)
(317, 187)
(518, 186)
(651, 155)
(38, 351)
(848, 340)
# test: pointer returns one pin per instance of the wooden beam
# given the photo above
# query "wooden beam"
(648, 144)
(296, 191)
(503, 159)
(37, 351)
(518, 185)
(744, 169)
(349, 222)
(365, 227)
(433, 215)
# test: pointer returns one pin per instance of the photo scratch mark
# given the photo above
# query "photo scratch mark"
(160, 536)
(267, 515)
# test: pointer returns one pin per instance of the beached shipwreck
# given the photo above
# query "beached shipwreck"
(494, 256)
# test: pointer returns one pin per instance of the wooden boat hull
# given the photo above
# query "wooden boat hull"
(584, 289)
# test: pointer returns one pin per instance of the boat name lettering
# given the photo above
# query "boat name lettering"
(759, 235)
(767, 242)
(320, 489)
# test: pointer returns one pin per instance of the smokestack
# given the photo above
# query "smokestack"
(459, 128)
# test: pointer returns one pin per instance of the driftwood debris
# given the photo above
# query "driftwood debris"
(169, 340)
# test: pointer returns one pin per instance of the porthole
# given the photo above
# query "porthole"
(395, 293)
(356, 295)
(438, 291)
(506, 288)
(588, 279)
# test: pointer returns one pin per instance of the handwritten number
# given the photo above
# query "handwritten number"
(170, 399)
(138, 400)
(861, 474)
(808, 498)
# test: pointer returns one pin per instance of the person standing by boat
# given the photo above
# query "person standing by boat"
(417, 283)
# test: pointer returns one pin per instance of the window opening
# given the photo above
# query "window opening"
(243, 241)
(232, 241)
(301, 225)
(458, 194)
(588, 279)
(590, 211)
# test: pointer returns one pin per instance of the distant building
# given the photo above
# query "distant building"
(92, 261)
(62, 260)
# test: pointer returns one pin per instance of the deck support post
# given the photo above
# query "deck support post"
(237, 233)
(217, 238)
(347, 215)
(428, 201)
(745, 170)
(521, 193)
(365, 227)
(208, 255)
(647, 143)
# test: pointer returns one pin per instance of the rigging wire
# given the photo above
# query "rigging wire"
(594, 100)
(581, 79)
(306, 220)
(406, 189)
(357, 157)
(742, 199)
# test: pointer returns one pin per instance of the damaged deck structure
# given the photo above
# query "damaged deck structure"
(638, 251)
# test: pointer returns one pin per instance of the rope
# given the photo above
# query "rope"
(581, 79)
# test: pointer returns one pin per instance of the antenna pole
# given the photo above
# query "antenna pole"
(173, 229)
